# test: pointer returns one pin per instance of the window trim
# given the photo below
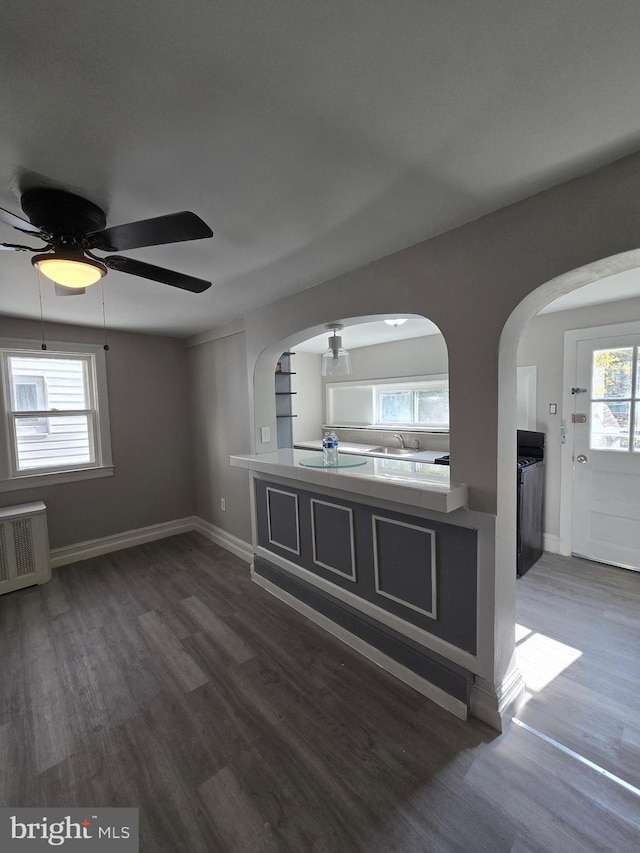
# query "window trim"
(412, 387)
(10, 477)
(404, 383)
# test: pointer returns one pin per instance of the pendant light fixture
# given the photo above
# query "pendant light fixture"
(336, 360)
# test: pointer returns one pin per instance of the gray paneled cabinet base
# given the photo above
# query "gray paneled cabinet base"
(420, 570)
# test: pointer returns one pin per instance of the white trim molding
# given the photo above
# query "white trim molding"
(130, 538)
(119, 541)
(352, 576)
(551, 543)
(241, 549)
(273, 541)
(496, 704)
(432, 557)
(431, 691)
(456, 655)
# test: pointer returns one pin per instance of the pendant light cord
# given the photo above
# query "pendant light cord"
(105, 345)
(43, 345)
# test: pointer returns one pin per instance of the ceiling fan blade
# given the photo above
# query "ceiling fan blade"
(21, 224)
(165, 276)
(14, 247)
(173, 228)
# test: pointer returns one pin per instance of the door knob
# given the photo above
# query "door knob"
(581, 458)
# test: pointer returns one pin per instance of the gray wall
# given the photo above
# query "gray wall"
(148, 402)
(220, 426)
(307, 404)
(412, 357)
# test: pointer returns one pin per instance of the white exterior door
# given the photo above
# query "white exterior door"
(606, 457)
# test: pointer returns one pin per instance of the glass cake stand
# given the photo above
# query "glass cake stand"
(344, 461)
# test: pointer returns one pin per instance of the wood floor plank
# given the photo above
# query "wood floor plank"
(234, 645)
(233, 815)
(182, 666)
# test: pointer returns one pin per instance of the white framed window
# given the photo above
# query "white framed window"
(54, 423)
(417, 404)
(420, 403)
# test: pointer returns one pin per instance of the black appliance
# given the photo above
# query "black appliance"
(530, 499)
(530, 473)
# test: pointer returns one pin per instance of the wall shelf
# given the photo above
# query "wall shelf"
(284, 398)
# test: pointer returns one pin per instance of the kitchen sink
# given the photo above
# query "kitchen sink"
(395, 451)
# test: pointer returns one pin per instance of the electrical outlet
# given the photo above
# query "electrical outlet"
(223, 504)
(265, 435)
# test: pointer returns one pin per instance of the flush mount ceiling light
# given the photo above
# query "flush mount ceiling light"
(336, 360)
(69, 267)
(395, 323)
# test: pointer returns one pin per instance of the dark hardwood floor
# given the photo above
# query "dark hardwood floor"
(160, 677)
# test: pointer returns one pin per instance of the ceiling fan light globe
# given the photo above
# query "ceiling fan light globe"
(69, 272)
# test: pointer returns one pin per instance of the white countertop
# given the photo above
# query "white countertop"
(409, 482)
(369, 450)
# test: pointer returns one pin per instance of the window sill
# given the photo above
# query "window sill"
(390, 428)
(54, 478)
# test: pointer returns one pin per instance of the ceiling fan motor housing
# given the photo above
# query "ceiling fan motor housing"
(62, 215)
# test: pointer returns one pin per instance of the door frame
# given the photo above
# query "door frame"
(571, 339)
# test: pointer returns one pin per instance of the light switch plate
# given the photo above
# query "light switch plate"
(265, 435)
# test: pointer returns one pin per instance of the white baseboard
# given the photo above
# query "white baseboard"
(551, 543)
(495, 705)
(242, 549)
(119, 541)
(440, 697)
(130, 538)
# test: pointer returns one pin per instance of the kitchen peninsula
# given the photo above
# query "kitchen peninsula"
(384, 555)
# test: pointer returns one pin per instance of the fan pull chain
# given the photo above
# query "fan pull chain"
(43, 345)
(105, 345)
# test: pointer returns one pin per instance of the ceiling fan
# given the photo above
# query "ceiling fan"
(73, 227)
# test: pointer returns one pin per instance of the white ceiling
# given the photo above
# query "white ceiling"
(365, 334)
(312, 137)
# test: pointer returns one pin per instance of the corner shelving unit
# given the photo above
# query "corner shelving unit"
(284, 400)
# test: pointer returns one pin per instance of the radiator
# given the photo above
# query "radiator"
(24, 546)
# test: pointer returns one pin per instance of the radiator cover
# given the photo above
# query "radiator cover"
(24, 546)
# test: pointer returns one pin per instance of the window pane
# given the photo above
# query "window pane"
(433, 407)
(66, 443)
(30, 396)
(610, 425)
(395, 407)
(611, 375)
(636, 428)
(52, 383)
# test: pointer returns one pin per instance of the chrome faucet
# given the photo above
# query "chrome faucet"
(400, 438)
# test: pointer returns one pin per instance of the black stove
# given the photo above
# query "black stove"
(525, 461)
(529, 467)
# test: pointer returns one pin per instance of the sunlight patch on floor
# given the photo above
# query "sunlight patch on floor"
(541, 659)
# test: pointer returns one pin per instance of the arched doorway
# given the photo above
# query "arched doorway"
(571, 641)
